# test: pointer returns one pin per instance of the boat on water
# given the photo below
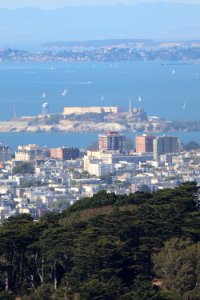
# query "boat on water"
(64, 93)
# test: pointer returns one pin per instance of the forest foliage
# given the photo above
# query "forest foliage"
(139, 246)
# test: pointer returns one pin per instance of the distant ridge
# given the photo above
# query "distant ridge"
(100, 43)
(155, 21)
(132, 43)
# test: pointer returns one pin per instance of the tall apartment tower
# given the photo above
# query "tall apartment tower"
(144, 143)
(111, 141)
(5, 153)
(164, 145)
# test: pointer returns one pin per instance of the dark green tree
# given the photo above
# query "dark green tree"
(178, 266)
(23, 168)
(192, 145)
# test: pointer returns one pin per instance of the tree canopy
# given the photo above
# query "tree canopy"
(106, 247)
(23, 168)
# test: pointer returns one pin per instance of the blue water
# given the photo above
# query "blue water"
(48, 139)
(163, 88)
(163, 93)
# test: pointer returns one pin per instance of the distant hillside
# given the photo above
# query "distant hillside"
(144, 21)
(121, 43)
(102, 43)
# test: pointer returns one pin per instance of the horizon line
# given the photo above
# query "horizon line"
(99, 5)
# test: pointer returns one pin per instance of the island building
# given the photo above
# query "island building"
(165, 145)
(64, 153)
(5, 153)
(111, 141)
(144, 143)
(91, 109)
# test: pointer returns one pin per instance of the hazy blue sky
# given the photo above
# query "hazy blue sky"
(80, 23)
(48, 4)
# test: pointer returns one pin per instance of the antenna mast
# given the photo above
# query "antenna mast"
(14, 113)
(130, 106)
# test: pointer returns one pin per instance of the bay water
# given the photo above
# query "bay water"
(169, 90)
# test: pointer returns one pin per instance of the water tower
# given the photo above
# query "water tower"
(45, 108)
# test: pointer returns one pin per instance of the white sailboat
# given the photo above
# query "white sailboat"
(43, 95)
(184, 105)
(64, 93)
(139, 99)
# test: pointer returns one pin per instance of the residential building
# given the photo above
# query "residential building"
(31, 152)
(165, 144)
(111, 141)
(144, 143)
(5, 153)
(64, 153)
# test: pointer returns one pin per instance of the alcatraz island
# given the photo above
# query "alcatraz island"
(96, 119)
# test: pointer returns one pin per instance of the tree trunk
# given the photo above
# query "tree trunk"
(55, 278)
(41, 275)
(6, 282)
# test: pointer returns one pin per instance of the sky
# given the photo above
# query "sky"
(49, 4)
(174, 22)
